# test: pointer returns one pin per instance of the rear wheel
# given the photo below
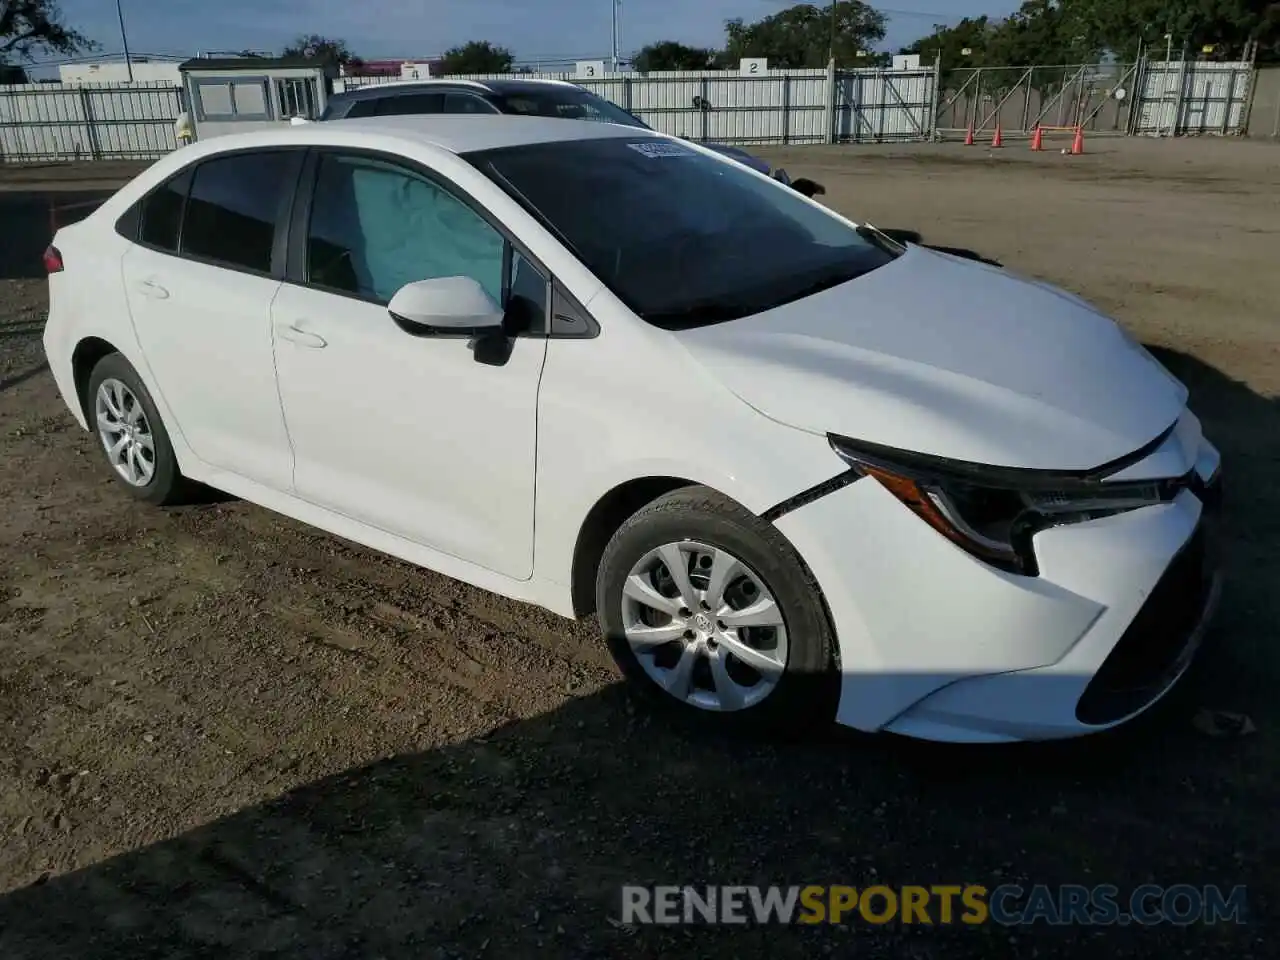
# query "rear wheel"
(707, 608)
(131, 434)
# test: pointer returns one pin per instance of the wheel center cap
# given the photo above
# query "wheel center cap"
(702, 622)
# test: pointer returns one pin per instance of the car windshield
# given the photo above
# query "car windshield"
(684, 239)
(567, 103)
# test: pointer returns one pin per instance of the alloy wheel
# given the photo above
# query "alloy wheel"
(125, 433)
(704, 626)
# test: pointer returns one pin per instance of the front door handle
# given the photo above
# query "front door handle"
(149, 288)
(303, 338)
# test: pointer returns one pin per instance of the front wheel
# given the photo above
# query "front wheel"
(707, 607)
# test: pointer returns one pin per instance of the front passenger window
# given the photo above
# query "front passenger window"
(375, 227)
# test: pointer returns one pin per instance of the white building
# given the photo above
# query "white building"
(117, 71)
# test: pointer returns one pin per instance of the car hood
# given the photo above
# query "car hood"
(948, 357)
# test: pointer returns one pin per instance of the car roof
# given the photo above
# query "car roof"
(464, 133)
(397, 87)
(453, 133)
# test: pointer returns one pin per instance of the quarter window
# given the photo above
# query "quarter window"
(162, 213)
(362, 108)
(231, 213)
(376, 227)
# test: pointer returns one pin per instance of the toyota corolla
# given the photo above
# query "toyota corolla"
(798, 470)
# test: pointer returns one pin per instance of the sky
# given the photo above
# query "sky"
(376, 29)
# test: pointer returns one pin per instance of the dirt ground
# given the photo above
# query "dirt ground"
(224, 734)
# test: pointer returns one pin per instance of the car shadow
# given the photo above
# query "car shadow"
(30, 218)
(516, 843)
(1245, 427)
(915, 237)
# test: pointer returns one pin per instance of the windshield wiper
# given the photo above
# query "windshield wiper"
(882, 240)
(719, 310)
(699, 312)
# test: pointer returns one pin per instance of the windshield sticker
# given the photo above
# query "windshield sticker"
(661, 148)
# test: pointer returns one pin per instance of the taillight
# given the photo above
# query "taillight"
(53, 260)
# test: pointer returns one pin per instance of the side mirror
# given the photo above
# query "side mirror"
(445, 307)
(782, 177)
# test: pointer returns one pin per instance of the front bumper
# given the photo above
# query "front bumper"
(935, 644)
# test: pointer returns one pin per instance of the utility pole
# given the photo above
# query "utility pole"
(617, 34)
(831, 50)
(124, 40)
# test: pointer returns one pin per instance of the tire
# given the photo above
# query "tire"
(699, 519)
(165, 485)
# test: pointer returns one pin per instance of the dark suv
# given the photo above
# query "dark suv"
(539, 98)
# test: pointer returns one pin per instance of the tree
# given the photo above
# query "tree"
(672, 55)
(969, 34)
(478, 56)
(1225, 24)
(804, 36)
(1076, 31)
(328, 51)
(28, 27)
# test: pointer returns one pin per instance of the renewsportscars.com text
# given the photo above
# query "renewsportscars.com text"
(967, 904)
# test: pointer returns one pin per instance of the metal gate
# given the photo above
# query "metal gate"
(885, 105)
(55, 121)
(1152, 98)
(1191, 97)
(1098, 97)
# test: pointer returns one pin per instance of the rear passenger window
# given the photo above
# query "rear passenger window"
(231, 213)
(411, 104)
(162, 213)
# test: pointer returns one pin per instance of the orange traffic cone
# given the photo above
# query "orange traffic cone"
(1077, 145)
(968, 137)
(998, 139)
(1037, 139)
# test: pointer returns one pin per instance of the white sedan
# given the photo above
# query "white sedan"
(799, 471)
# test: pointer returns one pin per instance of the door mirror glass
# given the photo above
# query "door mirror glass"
(446, 306)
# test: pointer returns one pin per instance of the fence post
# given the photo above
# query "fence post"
(1231, 93)
(786, 108)
(1135, 96)
(831, 100)
(1246, 110)
(1026, 100)
(86, 108)
(977, 100)
(705, 112)
(937, 96)
(1176, 124)
(626, 94)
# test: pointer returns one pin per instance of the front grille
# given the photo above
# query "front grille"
(1143, 661)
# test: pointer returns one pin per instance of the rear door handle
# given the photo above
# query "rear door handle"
(303, 338)
(149, 288)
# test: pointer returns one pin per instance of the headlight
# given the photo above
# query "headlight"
(993, 512)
